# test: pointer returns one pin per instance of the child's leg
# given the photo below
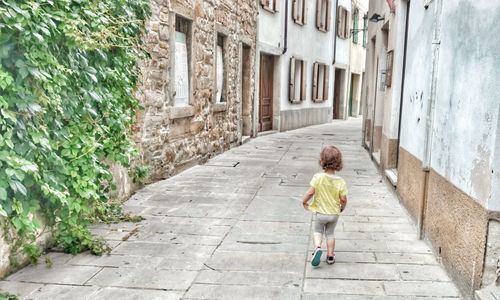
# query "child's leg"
(330, 238)
(319, 228)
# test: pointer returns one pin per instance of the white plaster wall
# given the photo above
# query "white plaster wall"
(308, 43)
(393, 93)
(418, 78)
(468, 96)
(358, 52)
(271, 27)
(494, 201)
(343, 46)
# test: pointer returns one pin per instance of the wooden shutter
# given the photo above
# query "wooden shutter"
(295, 12)
(326, 82)
(303, 80)
(264, 3)
(291, 92)
(328, 14)
(340, 21)
(276, 5)
(347, 23)
(318, 13)
(304, 11)
(315, 82)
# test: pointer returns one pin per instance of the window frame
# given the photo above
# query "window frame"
(299, 17)
(291, 80)
(323, 18)
(355, 25)
(325, 81)
(266, 5)
(220, 41)
(182, 25)
(343, 16)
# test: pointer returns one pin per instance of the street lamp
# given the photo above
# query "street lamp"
(376, 17)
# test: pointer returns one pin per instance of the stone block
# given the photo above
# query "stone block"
(58, 274)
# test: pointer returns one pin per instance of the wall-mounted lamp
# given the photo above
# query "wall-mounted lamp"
(376, 17)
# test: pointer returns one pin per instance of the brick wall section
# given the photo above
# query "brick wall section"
(168, 144)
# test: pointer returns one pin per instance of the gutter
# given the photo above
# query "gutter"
(403, 79)
(285, 42)
(335, 33)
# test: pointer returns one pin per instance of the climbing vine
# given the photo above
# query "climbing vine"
(67, 78)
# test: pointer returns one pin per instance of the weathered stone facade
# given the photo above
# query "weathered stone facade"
(170, 137)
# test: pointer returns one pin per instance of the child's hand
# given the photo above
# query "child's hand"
(306, 205)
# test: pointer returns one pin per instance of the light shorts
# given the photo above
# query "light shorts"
(325, 224)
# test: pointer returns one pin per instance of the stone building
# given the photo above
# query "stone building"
(433, 117)
(197, 86)
(357, 55)
(303, 63)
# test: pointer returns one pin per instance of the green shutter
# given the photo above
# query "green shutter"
(365, 29)
(355, 18)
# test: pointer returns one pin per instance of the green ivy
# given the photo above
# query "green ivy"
(68, 70)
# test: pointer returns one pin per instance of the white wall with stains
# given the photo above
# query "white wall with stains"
(467, 101)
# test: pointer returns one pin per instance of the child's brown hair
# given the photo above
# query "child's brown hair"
(331, 158)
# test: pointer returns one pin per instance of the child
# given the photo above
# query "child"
(330, 199)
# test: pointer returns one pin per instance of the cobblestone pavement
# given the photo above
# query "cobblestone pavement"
(235, 228)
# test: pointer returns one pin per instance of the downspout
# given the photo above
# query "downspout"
(256, 64)
(407, 21)
(335, 34)
(426, 165)
(285, 42)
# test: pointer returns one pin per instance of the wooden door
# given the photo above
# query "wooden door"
(336, 94)
(266, 93)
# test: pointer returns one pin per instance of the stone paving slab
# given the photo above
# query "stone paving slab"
(234, 228)
(142, 278)
(57, 274)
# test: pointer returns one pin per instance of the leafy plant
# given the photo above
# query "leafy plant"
(67, 79)
(7, 296)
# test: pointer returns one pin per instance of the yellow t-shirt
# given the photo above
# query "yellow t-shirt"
(327, 192)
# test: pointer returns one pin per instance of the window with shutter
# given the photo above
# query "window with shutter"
(355, 29)
(365, 29)
(320, 82)
(323, 15)
(270, 5)
(297, 80)
(340, 21)
(299, 11)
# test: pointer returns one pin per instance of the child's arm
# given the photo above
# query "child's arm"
(307, 197)
(343, 202)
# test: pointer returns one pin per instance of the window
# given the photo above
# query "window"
(355, 27)
(299, 11)
(220, 75)
(321, 73)
(270, 5)
(342, 23)
(297, 80)
(182, 66)
(388, 72)
(323, 14)
(365, 29)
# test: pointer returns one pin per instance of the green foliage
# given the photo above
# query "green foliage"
(140, 174)
(67, 78)
(7, 296)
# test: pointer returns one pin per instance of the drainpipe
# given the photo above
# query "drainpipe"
(285, 42)
(256, 76)
(407, 21)
(426, 165)
(335, 34)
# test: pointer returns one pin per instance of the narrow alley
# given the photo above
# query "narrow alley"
(234, 228)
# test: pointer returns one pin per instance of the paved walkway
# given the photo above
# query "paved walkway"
(235, 228)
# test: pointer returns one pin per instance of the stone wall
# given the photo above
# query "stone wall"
(172, 138)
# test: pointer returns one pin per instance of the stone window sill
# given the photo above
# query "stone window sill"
(179, 112)
(218, 107)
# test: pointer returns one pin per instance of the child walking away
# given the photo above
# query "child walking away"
(329, 198)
